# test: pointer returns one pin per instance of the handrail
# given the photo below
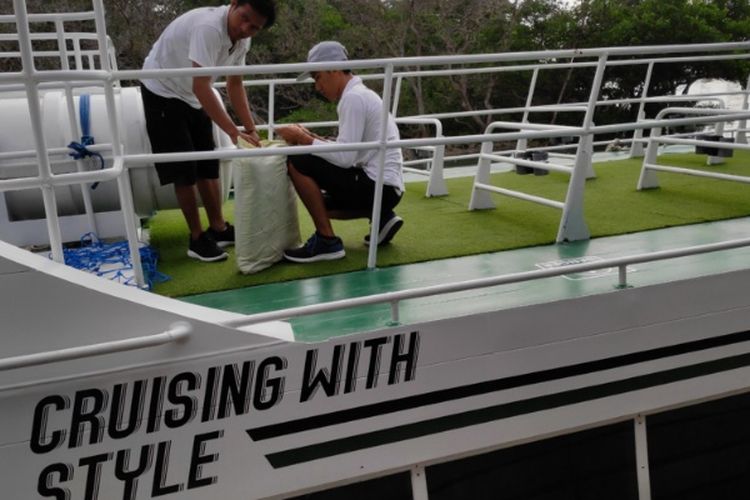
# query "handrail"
(177, 332)
(394, 297)
(108, 76)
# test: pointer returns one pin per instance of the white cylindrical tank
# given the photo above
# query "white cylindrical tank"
(16, 135)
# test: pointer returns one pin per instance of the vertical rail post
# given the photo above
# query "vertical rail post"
(641, 458)
(395, 319)
(419, 483)
(572, 223)
(742, 125)
(636, 147)
(271, 112)
(372, 253)
(75, 132)
(397, 96)
(622, 276)
(40, 141)
(123, 180)
(522, 144)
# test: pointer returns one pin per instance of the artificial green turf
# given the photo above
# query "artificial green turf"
(442, 227)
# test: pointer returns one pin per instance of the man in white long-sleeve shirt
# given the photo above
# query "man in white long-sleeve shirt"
(341, 184)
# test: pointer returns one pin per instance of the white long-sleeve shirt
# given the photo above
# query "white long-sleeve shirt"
(360, 110)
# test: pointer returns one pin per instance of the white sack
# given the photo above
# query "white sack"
(265, 210)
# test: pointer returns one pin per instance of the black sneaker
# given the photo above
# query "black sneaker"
(389, 226)
(223, 238)
(317, 248)
(205, 249)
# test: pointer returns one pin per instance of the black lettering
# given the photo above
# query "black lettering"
(352, 367)
(161, 469)
(39, 425)
(94, 476)
(172, 418)
(44, 485)
(87, 410)
(156, 404)
(130, 477)
(262, 400)
(199, 458)
(373, 369)
(409, 358)
(117, 410)
(209, 399)
(328, 380)
(235, 389)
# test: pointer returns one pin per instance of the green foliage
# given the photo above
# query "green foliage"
(397, 28)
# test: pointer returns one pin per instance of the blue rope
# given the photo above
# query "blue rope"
(112, 261)
(80, 151)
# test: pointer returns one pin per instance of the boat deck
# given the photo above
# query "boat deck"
(356, 284)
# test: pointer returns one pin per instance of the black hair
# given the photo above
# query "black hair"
(266, 8)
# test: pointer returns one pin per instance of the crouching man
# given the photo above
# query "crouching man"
(341, 185)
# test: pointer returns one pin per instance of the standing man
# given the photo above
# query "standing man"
(341, 185)
(180, 110)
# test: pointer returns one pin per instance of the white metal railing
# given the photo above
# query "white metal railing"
(572, 225)
(176, 333)
(648, 178)
(395, 298)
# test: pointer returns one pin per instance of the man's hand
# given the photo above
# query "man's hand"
(295, 135)
(253, 137)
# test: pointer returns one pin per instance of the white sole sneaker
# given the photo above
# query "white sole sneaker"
(194, 255)
(389, 231)
(317, 258)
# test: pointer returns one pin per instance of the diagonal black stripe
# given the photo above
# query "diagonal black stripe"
(451, 422)
(411, 402)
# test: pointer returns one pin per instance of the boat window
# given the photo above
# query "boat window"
(702, 451)
(393, 487)
(592, 464)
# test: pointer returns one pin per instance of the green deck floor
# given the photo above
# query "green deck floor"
(356, 284)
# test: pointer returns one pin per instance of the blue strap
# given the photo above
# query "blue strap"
(80, 151)
(84, 103)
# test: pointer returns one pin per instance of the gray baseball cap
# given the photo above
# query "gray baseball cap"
(328, 51)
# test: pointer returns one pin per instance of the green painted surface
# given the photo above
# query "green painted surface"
(361, 283)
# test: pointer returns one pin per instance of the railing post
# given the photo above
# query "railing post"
(271, 112)
(40, 141)
(636, 147)
(522, 144)
(622, 276)
(73, 124)
(648, 178)
(481, 199)
(572, 223)
(372, 253)
(397, 96)
(742, 125)
(395, 317)
(123, 180)
(641, 458)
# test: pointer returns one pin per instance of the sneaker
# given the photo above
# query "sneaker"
(223, 238)
(389, 226)
(317, 248)
(205, 249)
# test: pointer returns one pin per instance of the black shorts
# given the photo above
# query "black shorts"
(175, 126)
(345, 188)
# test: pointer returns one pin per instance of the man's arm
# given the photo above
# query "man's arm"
(238, 98)
(212, 106)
